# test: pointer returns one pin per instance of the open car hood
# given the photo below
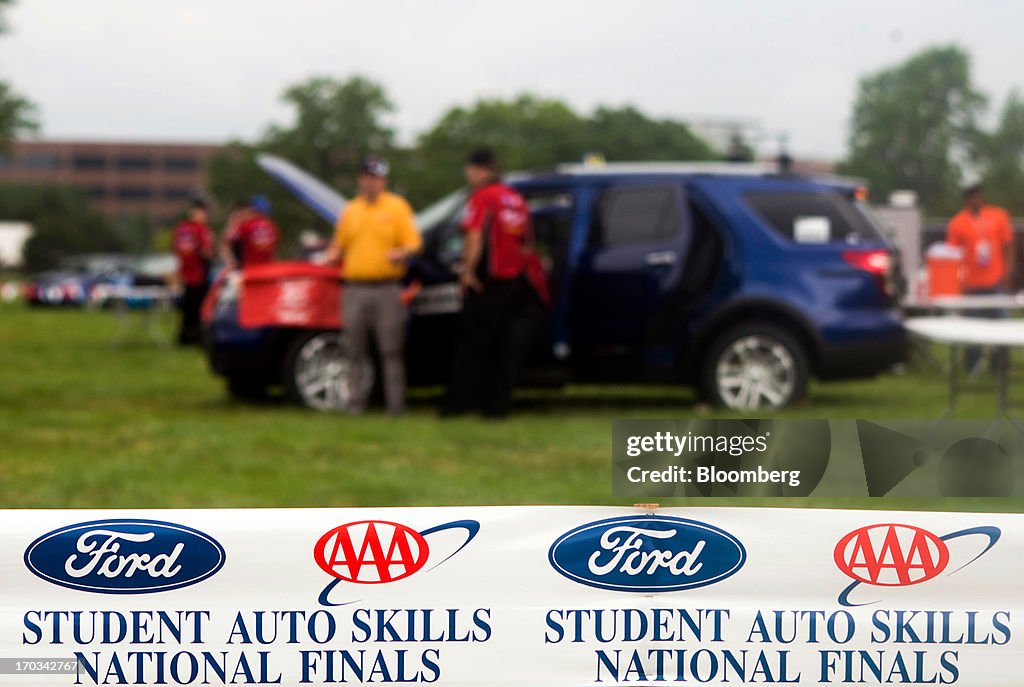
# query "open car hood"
(313, 193)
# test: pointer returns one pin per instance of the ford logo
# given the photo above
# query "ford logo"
(647, 553)
(124, 556)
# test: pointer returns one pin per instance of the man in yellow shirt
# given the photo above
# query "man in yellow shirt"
(375, 236)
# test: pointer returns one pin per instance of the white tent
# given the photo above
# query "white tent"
(13, 236)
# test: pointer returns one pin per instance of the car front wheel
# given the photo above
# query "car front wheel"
(319, 374)
(756, 366)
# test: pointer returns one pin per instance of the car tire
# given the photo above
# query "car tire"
(318, 373)
(755, 366)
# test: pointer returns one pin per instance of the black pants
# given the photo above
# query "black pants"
(191, 304)
(972, 354)
(495, 334)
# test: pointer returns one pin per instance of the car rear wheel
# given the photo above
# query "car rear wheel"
(756, 366)
(319, 374)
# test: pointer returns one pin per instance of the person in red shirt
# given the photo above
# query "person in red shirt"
(985, 234)
(251, 237)
(193, 245)
(496, 324)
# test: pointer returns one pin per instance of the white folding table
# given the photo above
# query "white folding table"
(960, 332)
(137, 307)
(966, 303)
(963, 304)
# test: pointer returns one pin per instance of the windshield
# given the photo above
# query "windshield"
(440, 211)
(156, 265)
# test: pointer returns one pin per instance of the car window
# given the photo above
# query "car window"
(636, 215)
(552, 212)
(814, 216)
(439, 224)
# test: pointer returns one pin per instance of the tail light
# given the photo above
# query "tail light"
(877, 263)
(873, 261)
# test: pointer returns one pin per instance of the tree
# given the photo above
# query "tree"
(137, 232)
(525, 132)
(334, 125)
(63, 223)
(530, 132)
(1000, 155)
(628, 134)
(17, 115)
(912, 126)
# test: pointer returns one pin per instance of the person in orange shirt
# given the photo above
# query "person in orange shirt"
(985, 235)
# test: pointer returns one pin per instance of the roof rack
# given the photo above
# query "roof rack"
(723, 168)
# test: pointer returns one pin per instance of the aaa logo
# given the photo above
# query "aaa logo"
(895, 555)
(371, 552)
(891, 555)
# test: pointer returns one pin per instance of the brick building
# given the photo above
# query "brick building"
(155, 179)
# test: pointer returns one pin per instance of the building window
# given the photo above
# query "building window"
(134, 193)
(6, 162)
(178, 193)
(181, 164)
(37, 161)
(89, 162)
(96, 192)
(131, 164)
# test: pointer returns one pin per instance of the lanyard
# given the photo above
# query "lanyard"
(981, 225)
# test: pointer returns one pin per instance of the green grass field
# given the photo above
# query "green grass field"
(87, 424)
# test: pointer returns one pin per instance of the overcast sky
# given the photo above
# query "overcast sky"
(213, 69)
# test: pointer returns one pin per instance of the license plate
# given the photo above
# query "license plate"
(438, 299)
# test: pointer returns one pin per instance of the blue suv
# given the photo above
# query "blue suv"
(735, 279)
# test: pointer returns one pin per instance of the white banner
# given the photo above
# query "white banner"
(518, 596)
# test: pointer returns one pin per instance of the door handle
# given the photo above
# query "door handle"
(659, 258)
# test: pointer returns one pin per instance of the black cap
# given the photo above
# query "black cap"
(375, 166)
(971, 190)
(482, 157)
(198, 204)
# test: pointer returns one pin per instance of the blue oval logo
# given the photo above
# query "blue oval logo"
(124, 556)
(647, 553)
